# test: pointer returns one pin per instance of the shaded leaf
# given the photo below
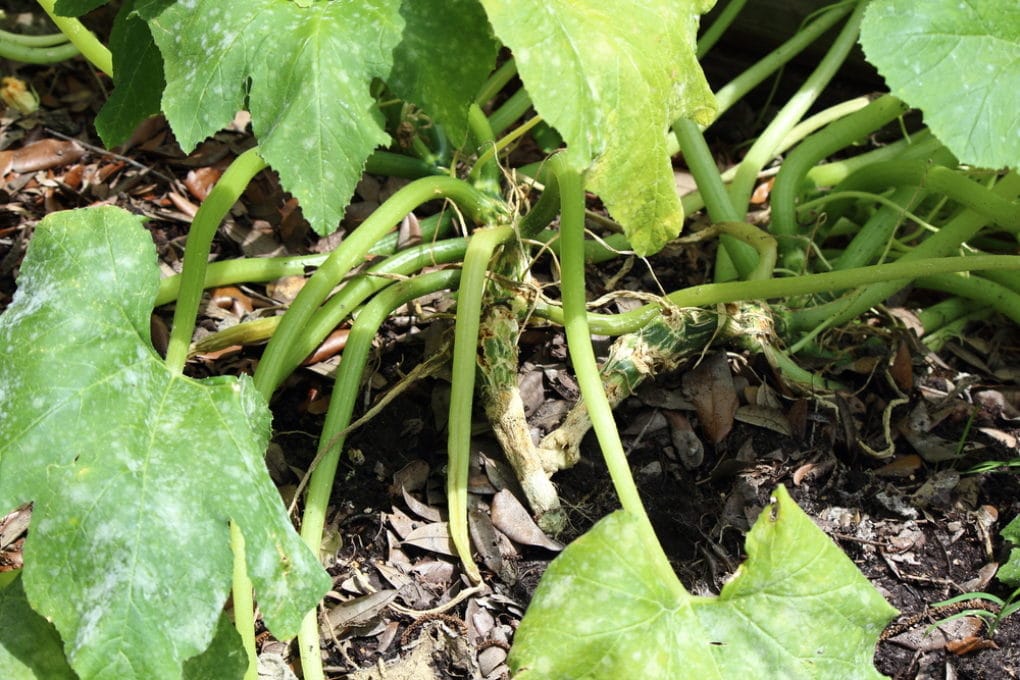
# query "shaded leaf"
(611, 77)
(134, 471)
(443, 60)
(29, 644)
(137, 78)
(797, 608)
(710, 388)
(302, 71)
(974, 46)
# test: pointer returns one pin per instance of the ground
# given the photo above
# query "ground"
(916, 520)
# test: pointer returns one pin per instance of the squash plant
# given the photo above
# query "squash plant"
(151, 501)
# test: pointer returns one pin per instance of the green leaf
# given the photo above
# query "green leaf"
(29, 644)
(303, 72)
(134, 471)
(1009, 573)
(443, 59)
(137, 78)
(75, 8)
(959, 62)
(612, 77)
(224, 659)
(797, 608)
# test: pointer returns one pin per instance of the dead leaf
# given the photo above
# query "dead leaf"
(970, 644)
(423, 510)
(434, 537)
(40, 155)
(710, 387)
(902, 368)
(359, 610)
(510, 517)
(689, 448)
(762, 416)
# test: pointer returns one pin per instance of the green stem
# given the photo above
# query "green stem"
(357, 290)
(808, 284)
(274, 366)
(764, 149)
(977, 289)
(952, 183)
(16, 48)
(51, 40)
(712, 34)
(513, 108)
(485, 172)
(735, 90)
(207, 220)
(257, 269)
(465, 363)
(244, 602)
(392, 164)
(496, 82)
(489, 154)
(582, 356)
(82, 38)
(341, 406)
(342, 304)
(921, 145)
(836, 136)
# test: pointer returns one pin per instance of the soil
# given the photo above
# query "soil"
(921, 530)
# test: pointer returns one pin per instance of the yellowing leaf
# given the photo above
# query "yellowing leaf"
(612, 77)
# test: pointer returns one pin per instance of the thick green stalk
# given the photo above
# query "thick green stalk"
(764, 149)
(485, 172)
(391, 164)
(978, 289)
(82, 38)
(920, 145)
(582, 356)
(338, 418)
(496, 82)
(350, 253)
(196, 253)
(836, 136)
(717, 200)
(16, 48)
(355, 291)
(513, 108)
(244, 602)
(808, 284)
(710, 36)
(462, 389)
(250, 269)
(735, 90)
(946, 240)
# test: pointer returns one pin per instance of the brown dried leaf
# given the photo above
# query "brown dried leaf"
(710, 387)
(760, 416)
(44, 154)
(434, 537)
(359, 610)
(902, 368)
(510, 517)
(423, 510)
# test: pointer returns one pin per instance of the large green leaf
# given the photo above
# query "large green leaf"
(797, 608)
(959, 62)
(304, 73)
(442, 61)
(29, 644)
(611, 77)
(135, 471)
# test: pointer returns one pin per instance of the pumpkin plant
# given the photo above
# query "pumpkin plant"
(131, 465)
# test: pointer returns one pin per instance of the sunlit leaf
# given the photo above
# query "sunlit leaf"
(797, 608)
(135, 472)
(959, 62)
(611, 77)
(304, 73)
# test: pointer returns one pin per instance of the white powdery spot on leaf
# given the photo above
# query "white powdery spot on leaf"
(135, 472)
